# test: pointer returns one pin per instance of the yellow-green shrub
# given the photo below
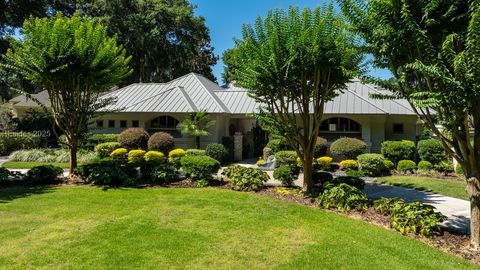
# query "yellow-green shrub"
(348, 164)
(154, 156)
(120, 153)
(175, 155)
(136, 156)
(325, 163)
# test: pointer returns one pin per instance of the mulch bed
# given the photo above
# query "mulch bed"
(450, 242)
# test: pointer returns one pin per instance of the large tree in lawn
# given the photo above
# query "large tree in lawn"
(76, 62)
(293, 63)
(433, 50)
(197, 125)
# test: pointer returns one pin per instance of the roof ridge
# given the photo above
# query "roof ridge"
(215, 97)
(393, 100)
(366, 100)
(187, 98)
(148, 98)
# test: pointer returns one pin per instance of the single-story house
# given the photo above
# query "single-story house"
(161, 106)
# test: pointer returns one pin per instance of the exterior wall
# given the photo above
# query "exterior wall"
(410, 130)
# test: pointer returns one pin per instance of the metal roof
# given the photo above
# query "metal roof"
(194, 92)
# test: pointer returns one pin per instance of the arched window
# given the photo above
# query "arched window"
(337, 127)
(164, 122)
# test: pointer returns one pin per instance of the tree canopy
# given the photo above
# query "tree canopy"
(293, 63)
(76, 62)
(196, 124)
(433, 50)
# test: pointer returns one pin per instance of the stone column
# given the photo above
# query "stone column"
(238, 146)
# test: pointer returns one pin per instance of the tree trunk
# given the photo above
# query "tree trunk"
(473, 189)
(197, 142)
(73, 158)
(307, 172)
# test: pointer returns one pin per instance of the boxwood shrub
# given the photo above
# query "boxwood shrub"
(325, 163)
(108, 172)
(216, 151)
(371, 164)
(398, 150)
(161, 141)
(431, 150)
(245, 179)
(424, 165)
(406, 166)
(195, 152)
(133, 138)
(44, 174)
(136, 157)
(347, 148)
(285, 174)
(164, 173)
(199, 167)
(103, 150)
(286, 158)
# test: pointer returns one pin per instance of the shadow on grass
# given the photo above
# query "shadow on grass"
(11, 193)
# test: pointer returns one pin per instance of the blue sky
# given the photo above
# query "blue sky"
(225, 19)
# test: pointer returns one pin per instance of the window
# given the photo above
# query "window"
(99, 123)
(340, 125)
(123, 123)
(398, 128)
(164, 122)
(135, 123)
(111, 123)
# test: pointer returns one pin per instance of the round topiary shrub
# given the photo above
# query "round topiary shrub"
(286, 158)
(154, 157)
(398, 150)
(104, 149)
(321, 147)
(119, 154)
(136, 156)
(325, 163)
(406, 166)
(161, 141)
(371, 164)
(431, 150)
(285, 174)
(133, 138)
(216, 151)
(347, 148)
(388, 164)
(348, 164)
(425, 165)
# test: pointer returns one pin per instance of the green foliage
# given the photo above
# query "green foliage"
(288, 158)
(325, 163)
(320, 177)
(45, 174)
(386, 206)
(195, 152)
(416, 218)
(216, 151)
(371, 164)
(444, 167)
(119, 154)
(154, 157)
(164, 173)
(406, 166)
(354, 173)
(94, 139)
(388, 164)
(196, 124)
(459, 170)
(431, 150)
(227, 141)
(161, 141)
(278, 144)
(27, 155)
(136, 157)
(175, 155)
(398, 150)
(49, 156)
(347, 148)
(349, 180)
(199, 167)
(108, 172)
(75, 70)
(134, 138)
(343, 197)
(12, 141)
(245, 179)
(424, 165)
(103, 150)
(321, 148)
(285, 174)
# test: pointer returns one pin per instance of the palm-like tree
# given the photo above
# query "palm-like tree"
(197, 125)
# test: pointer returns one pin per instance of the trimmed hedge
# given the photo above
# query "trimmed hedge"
(398, 150)
(136, 156)
(44, 174)
(347, 148)
(425, 165)
(216, 151)
(108, 172)
(195, 152)
(406, 166)
(348, 164)
(161, 141)
(325, 163)
(285, 174)
(103, 150)
(133, 138)
(431, 150)
(371, 164)
(286, 158)
(199, 167)
(154, 157)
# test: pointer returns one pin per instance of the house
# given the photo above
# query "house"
(161, 106)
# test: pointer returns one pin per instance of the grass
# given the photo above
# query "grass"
(29, 165)
(447, 187)
(164, 228)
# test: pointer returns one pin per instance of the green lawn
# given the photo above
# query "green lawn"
(164, 228)
(447, 187)
(28, 165)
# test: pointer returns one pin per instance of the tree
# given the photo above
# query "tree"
(230, 60)
(433, 50)
(293, 63)
(165, 38)
(197, 124)
(76, 62)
